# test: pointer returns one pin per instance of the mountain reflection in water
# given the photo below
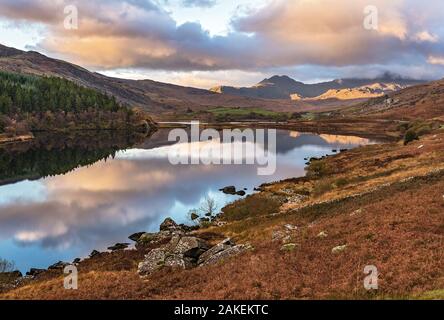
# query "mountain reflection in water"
(62, 197)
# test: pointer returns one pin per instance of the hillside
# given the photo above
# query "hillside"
(283, 87)
(32, 103)
(424, 101)
(152, 96)
(364, 92)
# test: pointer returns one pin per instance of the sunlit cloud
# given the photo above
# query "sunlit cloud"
(142, 35)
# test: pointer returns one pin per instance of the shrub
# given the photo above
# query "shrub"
(410, 136)
(318, 169)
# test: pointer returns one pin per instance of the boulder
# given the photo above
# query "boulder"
(225, 254)
(148, 238)
(76, 261)
(229, 190)
(191, 247)
(154, 260)
(224, 245)
(58, 266)
(241, 193)
(94, 253)
(181, 252)
(169, 225)
(34, 272)
(119, 246)
(136, 236)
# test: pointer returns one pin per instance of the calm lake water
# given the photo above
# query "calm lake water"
(63, 197)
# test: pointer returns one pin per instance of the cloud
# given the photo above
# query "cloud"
(282, 34)
(199, 3)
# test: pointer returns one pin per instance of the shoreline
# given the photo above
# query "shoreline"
(343, 209)
(364, 128)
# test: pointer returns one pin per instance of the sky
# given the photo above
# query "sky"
(204, 43)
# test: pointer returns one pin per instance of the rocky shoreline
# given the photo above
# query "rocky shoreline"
(174, 246)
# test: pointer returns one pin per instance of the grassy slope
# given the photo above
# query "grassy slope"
(371, 203)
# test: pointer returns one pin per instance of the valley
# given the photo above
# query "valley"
(362, 184)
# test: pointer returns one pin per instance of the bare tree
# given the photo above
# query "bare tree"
(208, 207)
(6, 266)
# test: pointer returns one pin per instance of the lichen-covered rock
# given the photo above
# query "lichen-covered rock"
(191, 247)
(154, 260)
(224, 245)
(181, 252)
(225, 254)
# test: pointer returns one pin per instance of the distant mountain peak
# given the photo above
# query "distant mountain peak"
(284, 87)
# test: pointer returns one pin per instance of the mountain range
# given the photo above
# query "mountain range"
(284, 87)
(278, 93)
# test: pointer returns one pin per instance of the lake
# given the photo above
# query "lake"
(62, 197)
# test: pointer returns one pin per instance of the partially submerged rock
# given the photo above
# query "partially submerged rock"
(229, 190)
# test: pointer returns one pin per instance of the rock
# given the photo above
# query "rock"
(339, 249)
(76, 261)
(34, 272)
(241, 193)
(119, 246)
(154, 260)
(356, 212)
(224, 245)
(58, 266)
(289, 247)
(278, 235)
(153, 238)
(229, 190)
(136, 236)
(179, 261)
(169, 225)
(191, 247)
(181, 252)
(322, 235)
(94, 253)
(290, 227)
(225, 254)
(194, 216)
